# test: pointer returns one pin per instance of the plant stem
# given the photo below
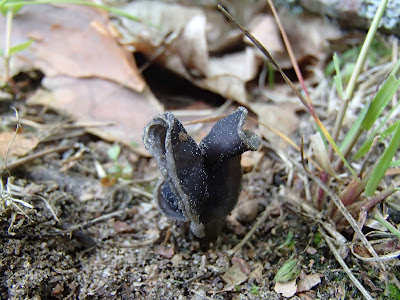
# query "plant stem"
(8, 46)
(359, 65)
(378, 216)
(290, 51)
(364, 49)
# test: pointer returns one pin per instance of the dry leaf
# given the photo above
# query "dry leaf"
(287, 289)
(257, 271)
(281, 117)
(234, 275)
(227, 75)
(321, 154)
(21, 145)
(244, 266)
(180, 44)
(70, 40)
(165, 251)
(266, 31)
(159, 20)
(123, 227)
(94, 99)
(308, 35)
(177, 259)
(221, 34)
(307, 282)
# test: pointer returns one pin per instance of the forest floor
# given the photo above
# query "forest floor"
(78, 219)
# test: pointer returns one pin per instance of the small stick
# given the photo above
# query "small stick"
(24, 160)
(340, 260)
(338, 202)
(70, 230)
(261, 219)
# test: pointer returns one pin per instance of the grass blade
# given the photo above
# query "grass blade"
(20, 47)
(380, 101)
(367, 144)
(357, 70)
(345, 144)
(369, 114)
(383, 164)
(338, 77)
(365, 47)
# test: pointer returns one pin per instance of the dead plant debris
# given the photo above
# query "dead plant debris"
(77, 216)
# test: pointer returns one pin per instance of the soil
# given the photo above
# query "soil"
(94, 237)
(137, 253)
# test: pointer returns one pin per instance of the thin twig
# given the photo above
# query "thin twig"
(309, 106)
(92, 222)
(141, 192)
(10, 15)
(26, 159)
(18, 126)
(290, 51)
(388, 256)
(70, 230)
(335, 198)
(48, 207)
(340, 260)
(261, 219)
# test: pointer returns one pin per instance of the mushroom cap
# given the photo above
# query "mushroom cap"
(200, 184)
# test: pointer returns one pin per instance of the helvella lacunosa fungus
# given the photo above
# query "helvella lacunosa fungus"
(201, 183)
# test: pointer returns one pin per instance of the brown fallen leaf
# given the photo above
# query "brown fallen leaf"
(244, 266)
(123, 227)
(165, 251)
(257, 271)
(308, 35)
(281, 117)
(21, 145)
(181, 45)
(94, 99)
(307, 282)
(287, 289)
(71, 40)
(234, 275)
(266, 31)
(228, 75)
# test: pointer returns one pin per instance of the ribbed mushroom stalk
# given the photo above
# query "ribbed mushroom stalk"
(200, 184)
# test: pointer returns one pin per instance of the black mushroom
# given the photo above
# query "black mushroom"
(200, 184)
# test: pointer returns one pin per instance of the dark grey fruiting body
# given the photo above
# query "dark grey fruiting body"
(200, 184)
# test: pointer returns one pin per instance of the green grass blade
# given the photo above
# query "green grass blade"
(20, 47)
(395, 164)
(383, 164)
(381, 219)
(380, 101)
(14, 8)
(338, 77)
(389, 131)
(364, 147)
(353, 130)
(395, 68)
(364, 49)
